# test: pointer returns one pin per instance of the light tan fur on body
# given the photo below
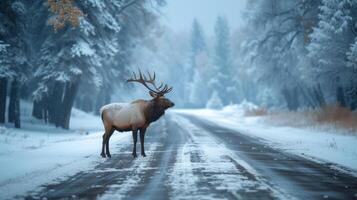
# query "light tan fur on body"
(135, 116)
(124, 116)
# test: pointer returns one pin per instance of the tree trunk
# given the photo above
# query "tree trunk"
(14, 105)
(55, 103)
(37, 109)
(3, 94)
(68, 101)
(102, 99)
(87, 104)
(291, 98)
(78, 103)
(354, 101)
(308, 95)
(45, 109)
(98, 103)
(295, 98)
(17, 120)
(319, 95)
(11, 108)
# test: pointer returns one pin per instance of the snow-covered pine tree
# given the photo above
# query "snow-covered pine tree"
(223, 62)
(89, 58)
(133, 32)
(196, 74)
(14, 62)
(72, 56)
(332, 47)
(275, 49)
(198, 43)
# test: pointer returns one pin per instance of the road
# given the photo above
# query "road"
(190, 158)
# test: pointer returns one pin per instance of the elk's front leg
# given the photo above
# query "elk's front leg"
(135, 139)
(142, 135)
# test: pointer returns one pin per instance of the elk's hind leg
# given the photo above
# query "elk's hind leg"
(110, 133)
(103, 145)
(105, 135)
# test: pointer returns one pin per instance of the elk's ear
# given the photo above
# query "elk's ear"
(153, 94)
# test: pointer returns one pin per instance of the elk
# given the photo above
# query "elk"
(137, 115)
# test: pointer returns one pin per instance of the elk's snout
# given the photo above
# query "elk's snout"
(172, 104)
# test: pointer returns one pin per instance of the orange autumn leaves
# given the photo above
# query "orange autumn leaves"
(65, 12)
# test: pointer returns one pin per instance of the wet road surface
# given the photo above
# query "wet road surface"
(190, 158)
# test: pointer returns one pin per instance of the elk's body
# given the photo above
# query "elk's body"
(135, 116)
(123, 116)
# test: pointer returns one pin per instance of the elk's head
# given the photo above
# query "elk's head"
(156, 92)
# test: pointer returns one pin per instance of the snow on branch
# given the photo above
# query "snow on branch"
(3, 46)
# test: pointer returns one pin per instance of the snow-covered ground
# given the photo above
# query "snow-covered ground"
(39, 153)
(313, 143)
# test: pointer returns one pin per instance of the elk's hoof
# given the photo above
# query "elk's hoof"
(103, 155)
(134, 155)
(109, 156)
(143, 154)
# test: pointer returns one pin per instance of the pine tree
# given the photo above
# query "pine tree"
(3, 80)
(14, 62)
(275, 49)
(73, 55)
(196, 73)
(88, 57)
(222, 61)
(332, 46)
(198, 43)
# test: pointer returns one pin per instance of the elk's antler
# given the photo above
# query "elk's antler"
(159, 91)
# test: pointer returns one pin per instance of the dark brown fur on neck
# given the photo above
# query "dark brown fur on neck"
(153, 111)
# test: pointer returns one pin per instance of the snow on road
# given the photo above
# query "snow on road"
(321, 146)
(140, 166)
(203, 161)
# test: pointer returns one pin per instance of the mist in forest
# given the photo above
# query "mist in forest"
(276, 54)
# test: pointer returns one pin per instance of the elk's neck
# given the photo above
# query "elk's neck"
(153, 111)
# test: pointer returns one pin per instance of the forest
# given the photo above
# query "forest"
(178, 99)
(59, 54)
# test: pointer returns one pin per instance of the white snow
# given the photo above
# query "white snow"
(315, 144)
(82, 48)
(3, 46)
(217, 163)
(214, 102)
(139, 167)
(39, 154)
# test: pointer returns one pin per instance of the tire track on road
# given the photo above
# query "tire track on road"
(300, 177)
(216, 172)
(154, 184)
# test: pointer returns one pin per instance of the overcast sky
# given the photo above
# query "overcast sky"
(178, 14)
